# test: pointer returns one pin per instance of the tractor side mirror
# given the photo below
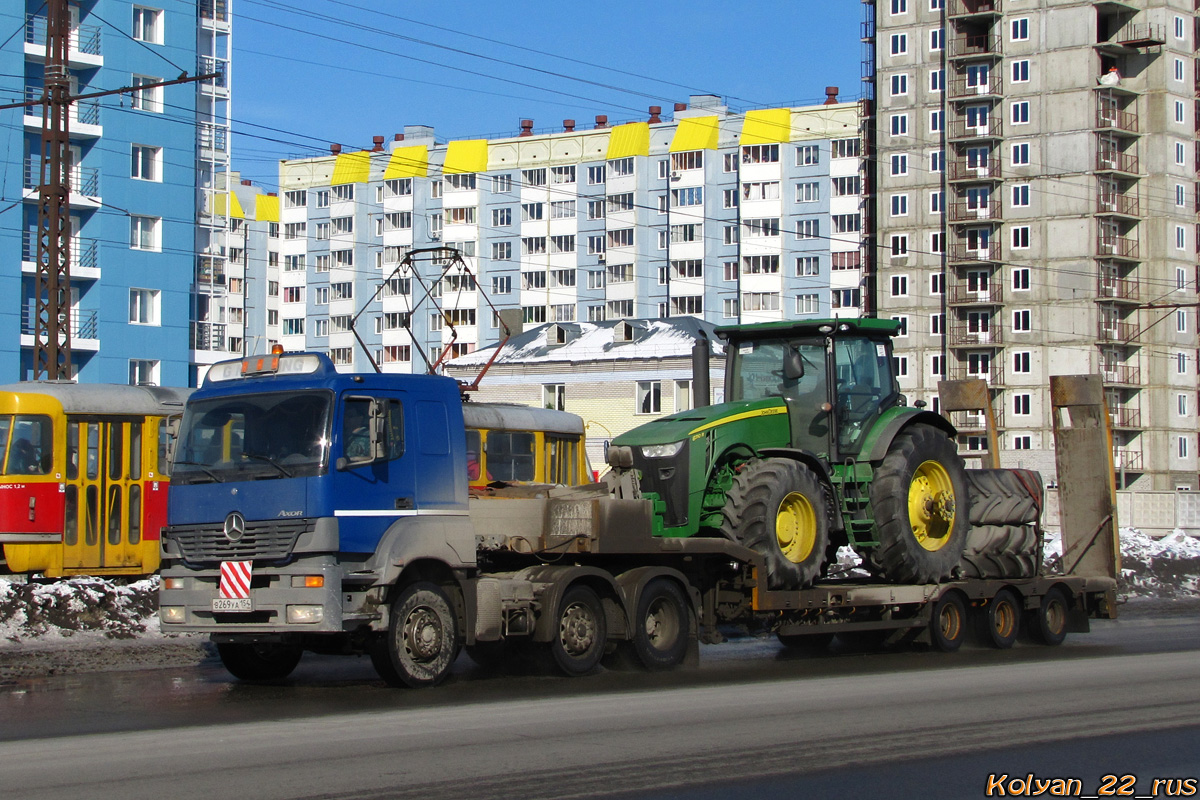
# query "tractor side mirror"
(793, 365)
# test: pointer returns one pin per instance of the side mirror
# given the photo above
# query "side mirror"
(793, 364)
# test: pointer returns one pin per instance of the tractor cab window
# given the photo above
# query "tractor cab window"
(759, 370)
(865, 386)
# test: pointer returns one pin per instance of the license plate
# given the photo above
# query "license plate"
(232, 604)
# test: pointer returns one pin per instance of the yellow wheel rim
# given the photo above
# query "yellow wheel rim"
(796, 527)
(931, 506)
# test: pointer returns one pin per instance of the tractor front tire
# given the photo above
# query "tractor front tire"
(779, 509)
(919, 498)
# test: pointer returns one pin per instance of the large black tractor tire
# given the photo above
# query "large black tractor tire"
(779, 509)
(1000, 551)
(1004, 496)
(259, 662)
(422, 640)
(919, 500)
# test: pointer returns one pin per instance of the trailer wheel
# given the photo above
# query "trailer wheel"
(581, 632)
(948, 627)
(422, 640)
(805, 642)
(1001, 619)
(1048, 623)
(259, 662)
(661, 629)
(919, 499)
(778, 508)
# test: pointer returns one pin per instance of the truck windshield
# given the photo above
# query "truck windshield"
(253, 437)
(757, 369)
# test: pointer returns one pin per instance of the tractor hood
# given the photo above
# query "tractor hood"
(686, 424)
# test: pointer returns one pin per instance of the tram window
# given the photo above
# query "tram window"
(474, 453)
(164, 439)
(510, 456)
(93, 451)
(71, 516)
(116, 444)
(135, 513)
(91, 534)
(31, 448)
(135, 450)
(72, 451)
(114, 515)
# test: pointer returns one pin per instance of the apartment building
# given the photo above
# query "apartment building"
(711, 214)
(1036, 207)
(133, 197)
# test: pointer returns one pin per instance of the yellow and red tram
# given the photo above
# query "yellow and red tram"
(83, 489)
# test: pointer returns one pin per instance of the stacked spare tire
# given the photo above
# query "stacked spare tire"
(1004, 540)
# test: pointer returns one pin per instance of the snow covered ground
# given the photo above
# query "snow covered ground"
(70, 616)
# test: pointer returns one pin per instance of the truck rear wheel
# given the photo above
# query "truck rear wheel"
(948, 625)
(264, 661)
(422, 640)
(661, 630)
(919, 498)
(1001, 619)
(1048, 623)
(581, 632)
(778, 508)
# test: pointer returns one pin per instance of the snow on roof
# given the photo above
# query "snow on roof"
(624, 339)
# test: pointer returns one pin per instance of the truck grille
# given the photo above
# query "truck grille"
(269, 541)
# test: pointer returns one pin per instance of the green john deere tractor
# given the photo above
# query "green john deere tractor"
(813, 448)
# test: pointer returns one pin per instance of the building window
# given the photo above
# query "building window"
(1180, 238)
(900, 164)
(1021, 363)
(649, 397)
(899, 205)
(937, 40)
(1020, 30)
(729, 308)
(899, 124)
(1181, 323)
(846, 185)
(1020, 154)
(560, 175)
(936, 119)
(937, 202)
(501, 217)
(596, 175)
(1020, 195)
(534, 177)
(937, 80)
(808, 229)
(899, 244)
(1021, 321)
(760, 301)
(845, 148)
(143, 306)
(293, 326)
(1179, 28)
(1181, 363)
(900, 365)
(937, 283)
(807, 266)
(1020, 237)
(902, 332)
(148, 99)
(148, 25)
(899, 7)
(807, 304)
(1020, 112)
(146, 162)
(1021, 405)
(899, 44)
(1181, 404)
(899, 84)
(899, 286)
(1183, 447)
(144, 233)
(937, 161)
(501, 184)
(1020, 279)
(620, 168)
(501, 251)
(344, 192)
(937, 324)
(809, 192)
(937, 367)
(1180, 116)
(764, 154)
(1020, 71)
(143, 372)
(1022, 442)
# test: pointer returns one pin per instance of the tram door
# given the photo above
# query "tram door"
(103, 503)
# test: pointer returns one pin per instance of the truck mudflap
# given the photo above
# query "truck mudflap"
(303, 596)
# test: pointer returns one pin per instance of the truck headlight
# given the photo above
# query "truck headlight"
(173, 583)
(172, 614)
(305, 615)
(662, 450)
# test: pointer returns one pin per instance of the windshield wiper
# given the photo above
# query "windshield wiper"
(216, 478)
(269, 460)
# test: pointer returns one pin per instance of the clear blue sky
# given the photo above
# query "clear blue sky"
(311, 72)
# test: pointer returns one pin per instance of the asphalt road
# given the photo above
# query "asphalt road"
(751, 721)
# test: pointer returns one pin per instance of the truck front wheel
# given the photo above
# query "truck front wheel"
(422, 639)
(581, 633)
(264, 661)
(919, 499)
(778, 508)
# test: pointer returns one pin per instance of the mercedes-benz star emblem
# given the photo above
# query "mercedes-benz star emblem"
(235, 526)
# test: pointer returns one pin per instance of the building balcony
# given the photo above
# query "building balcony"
(83, 122)
(207, 336)
(994, 376)
(959, 130)
(968, 422)
(218, 86)
(1125, 418)
(964, 294)
(964, 87)
(974, 45)
(966, 334)
(963, 211)
(1116, 120)
(1111, 289)
(214, 14)
(85, 328)
(1113, 246)
(85, 184)
(1126, 459)
(84, 51)
(958, 9)
(1116, 161)
(965, 254)
(1119, 205)
(1120, 374)
(1118, 331)
(210, 274)
(85, 256)
(960, 169)
(1133, 37)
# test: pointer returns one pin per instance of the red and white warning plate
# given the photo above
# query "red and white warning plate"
(234, 591)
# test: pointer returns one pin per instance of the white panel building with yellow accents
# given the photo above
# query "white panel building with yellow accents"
(727, 217)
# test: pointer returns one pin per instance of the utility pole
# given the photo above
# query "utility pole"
(52, 283)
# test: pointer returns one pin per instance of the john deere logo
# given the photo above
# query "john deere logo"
(235, 527)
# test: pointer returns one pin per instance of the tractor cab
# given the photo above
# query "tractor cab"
(835, 376)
